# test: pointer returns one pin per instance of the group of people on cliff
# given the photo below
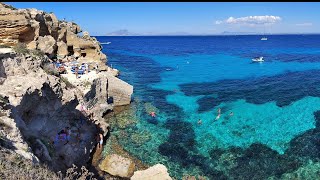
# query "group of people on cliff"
(75, 69)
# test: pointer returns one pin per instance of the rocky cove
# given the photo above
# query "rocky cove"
(37, 101)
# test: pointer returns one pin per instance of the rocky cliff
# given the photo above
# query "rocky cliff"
(36, 102)
(43, 31)
(37, 105)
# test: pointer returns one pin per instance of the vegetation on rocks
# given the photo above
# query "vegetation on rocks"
(21, 48)
(4, 46)
(37, 53)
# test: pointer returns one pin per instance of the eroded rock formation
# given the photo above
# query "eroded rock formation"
(117, 165)
(39, 103)
(43, 31)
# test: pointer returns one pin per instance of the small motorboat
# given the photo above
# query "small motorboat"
(264, 39)
(106, 43)
(258, 59)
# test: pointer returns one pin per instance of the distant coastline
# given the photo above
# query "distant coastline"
(209, 35)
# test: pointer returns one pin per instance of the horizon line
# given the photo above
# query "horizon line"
(214, 34)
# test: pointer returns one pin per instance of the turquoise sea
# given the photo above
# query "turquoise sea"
(274, 129)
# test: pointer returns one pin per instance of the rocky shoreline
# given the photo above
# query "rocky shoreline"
(36, 101)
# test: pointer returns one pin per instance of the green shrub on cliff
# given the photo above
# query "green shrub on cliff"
(86, 84)
(4, 46)
(37, 53)
(11, 7)
(21, 48)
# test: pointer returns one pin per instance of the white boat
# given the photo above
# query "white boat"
(264, 39)
(106, 43)
(258, 59)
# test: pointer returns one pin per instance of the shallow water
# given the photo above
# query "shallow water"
(184, 79)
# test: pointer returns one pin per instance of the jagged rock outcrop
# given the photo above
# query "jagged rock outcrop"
(41, 105)
(47, 44)
(156, 172)
(62, 49)
(11, 137)
(117, 165)
(16, 27)
(40, 30)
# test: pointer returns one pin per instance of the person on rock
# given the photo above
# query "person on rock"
(60, 136)
(99, 128)
(76, 71)
(99, 140)
(68, 134)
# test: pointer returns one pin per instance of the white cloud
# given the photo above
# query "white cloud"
(304, 24)
(219, 22)
(251, 20)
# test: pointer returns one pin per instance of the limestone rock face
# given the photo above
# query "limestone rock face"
(15, 26)
(156, 172)
(47, 44)
(85, 47)
(62, 34)
(119, 91)
(86, 35)
(31, 26)
(40, 106)
(117, 166)
(62, 49)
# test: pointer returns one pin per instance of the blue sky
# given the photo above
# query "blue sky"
(102, 18)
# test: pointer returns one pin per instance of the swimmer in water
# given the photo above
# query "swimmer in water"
(199, 122)
(231, 114)
(153, 114)
(219, 113)
(217, 117)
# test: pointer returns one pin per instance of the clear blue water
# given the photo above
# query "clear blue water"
(274, 103)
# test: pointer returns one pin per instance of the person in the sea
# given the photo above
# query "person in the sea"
(219, 113)
(153, 114)
(199, 122)
(231, 114)
(218, 116)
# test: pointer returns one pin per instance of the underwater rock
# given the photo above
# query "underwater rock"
(141, 138)
(309, 171)
(150, 108)
(124, 118)
(117, 165)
